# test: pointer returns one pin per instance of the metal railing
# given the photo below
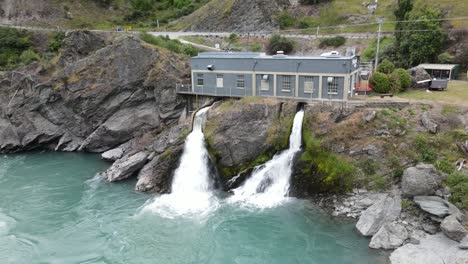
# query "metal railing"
(184, 88)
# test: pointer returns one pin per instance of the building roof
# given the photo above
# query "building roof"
(258, 55)
(438, 66)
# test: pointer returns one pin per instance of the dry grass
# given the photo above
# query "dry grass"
(457, 93)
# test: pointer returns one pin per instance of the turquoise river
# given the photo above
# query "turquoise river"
(54, 210)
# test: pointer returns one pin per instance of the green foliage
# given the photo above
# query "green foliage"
(381, 82)
(332, 42)
(401, 13)
(405, 203)
(458, 184)
(56, 42)
(280, 43)
(337, 174)
(233, 38)
(369, 53)
(386, 67)
(404, 77)
(426, 152)
(170, 44)
(13, 43)
(445, 58)
(420, 41)
(444, 166)
(368, 166)
(286, 20)
(29, 56)
(397, 173)
(395, 83)
(256, 47)
(378, 183)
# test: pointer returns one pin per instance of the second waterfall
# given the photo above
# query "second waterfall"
(269, 184)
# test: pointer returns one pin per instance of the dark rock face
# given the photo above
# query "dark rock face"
(239, 135)
(236, 15)
(79, 44)
(96, 103)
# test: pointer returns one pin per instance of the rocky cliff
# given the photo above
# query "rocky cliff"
(97, 96)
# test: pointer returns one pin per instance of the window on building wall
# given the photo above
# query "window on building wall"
(265, 83)
(308, 84)
(286, 83)
(200, 80)
(219, 80)
(332, 85)
(240, 81)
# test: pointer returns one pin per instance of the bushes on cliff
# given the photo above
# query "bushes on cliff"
(326, 171)
(13, 43)
(332, 42)
(280, 43)
(170, 44)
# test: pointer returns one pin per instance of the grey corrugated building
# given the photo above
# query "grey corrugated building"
(256, 74)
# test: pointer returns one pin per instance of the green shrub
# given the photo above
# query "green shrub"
(427, 153)
(397, 173)
(405, 78)
(190, 50)
(368, 166)
(233, 38)
(445, 58)
(29, 56)
(381, 82)
(56, 42)
(279, 43)
(170, 44)
(332, 42)
(378, 183)
(445, 166)
(458, 184)
(256, 47)
(395, 83)
(13, 43)
(386, 67)
(286, 20)
(405, 203)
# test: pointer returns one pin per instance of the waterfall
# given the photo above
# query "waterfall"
(192, 187)
(269, 184)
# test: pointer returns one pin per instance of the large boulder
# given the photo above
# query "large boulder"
(422, 179)
(419, 74)
(452, 228)
(113, 154)
(436, 206)
(126, 167)
(238, 132)
(390, 236)
(434, 249)
(386, 210)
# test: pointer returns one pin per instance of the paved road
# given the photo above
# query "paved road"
(180, 34)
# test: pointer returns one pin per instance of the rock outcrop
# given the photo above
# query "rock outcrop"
(385, 210)
(95, 103)
(419, 74)
(126, 167)
(390, 236)
(434, 249)
(452, 228)
(436, 205)
(422, 179)
(78, 45)
(235, 16)
(429, 123)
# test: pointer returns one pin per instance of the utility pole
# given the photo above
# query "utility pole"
(380, 20)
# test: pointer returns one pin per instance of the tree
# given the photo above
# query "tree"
(386, 67)
(279, 43)
(421, 41)
(403, 8)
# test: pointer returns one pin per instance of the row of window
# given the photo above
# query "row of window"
(286, 83)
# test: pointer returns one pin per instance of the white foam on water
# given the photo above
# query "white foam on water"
(192, 186)
(269, 184)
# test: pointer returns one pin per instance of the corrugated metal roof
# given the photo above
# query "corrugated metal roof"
(438, 66)
(257, 55)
